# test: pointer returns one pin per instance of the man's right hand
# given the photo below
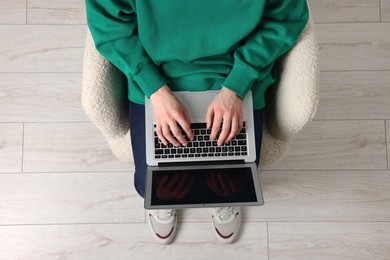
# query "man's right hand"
(170, 113)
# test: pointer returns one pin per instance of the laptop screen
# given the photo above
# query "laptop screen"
(206, 186)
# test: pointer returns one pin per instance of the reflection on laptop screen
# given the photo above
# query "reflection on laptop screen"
(223, 185)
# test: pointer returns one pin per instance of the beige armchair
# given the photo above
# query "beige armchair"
(290, 104)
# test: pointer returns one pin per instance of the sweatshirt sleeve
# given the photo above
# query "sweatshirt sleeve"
(113, 25)
(281, 24)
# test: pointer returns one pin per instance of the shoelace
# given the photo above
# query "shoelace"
(163, 214)
(224, 213)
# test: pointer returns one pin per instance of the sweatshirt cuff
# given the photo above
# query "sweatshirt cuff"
(240, 79)
(149, 79)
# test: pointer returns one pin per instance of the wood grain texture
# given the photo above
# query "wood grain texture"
(42, 48)
(388, 156)
(13, 12)
(11, 145)
(337, 145)
(41, 98)
(345, 11)
(51, 198)
(55, 12)
(388, 142)
(324, 241)
(68, 147)
(324, 196)
(354, 95)
(385, 10)
(354, 46)
(127, 241)
(316, 196)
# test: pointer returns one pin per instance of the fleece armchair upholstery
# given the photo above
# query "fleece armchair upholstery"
(291, 103)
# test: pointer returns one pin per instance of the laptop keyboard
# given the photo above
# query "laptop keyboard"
(202, 146)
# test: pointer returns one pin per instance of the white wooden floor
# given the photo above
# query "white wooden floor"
(65, 196)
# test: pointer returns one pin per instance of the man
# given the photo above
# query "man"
(194, 45)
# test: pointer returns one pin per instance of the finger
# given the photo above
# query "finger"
(216, 126)
(177, 133)
(240, 122)
(168, 135)
(234, 129)
(209, 116)
(184, 123)
(188, 131)
(161, 135)
(225, 131)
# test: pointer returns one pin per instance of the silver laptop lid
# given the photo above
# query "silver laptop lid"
(197, 104)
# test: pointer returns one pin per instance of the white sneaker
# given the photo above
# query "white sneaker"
(226, 222)
(162, 224)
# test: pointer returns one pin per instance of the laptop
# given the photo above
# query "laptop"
(202, 174)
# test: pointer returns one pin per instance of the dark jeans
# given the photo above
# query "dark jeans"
(137, 134)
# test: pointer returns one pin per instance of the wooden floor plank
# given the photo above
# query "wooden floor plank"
(41, 98)
(337, 145)
(388, 155)
(13, 12)
(51, 198)
(55, 12)
(324, 196)
(354, 46)
(11, 146)
(345, 11)
(354, 95)
(385, 10)
(68, 147)
(50, 48)
(127, 241)
(323, 241)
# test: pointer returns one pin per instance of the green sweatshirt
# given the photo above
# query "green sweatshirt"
(196, 45)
